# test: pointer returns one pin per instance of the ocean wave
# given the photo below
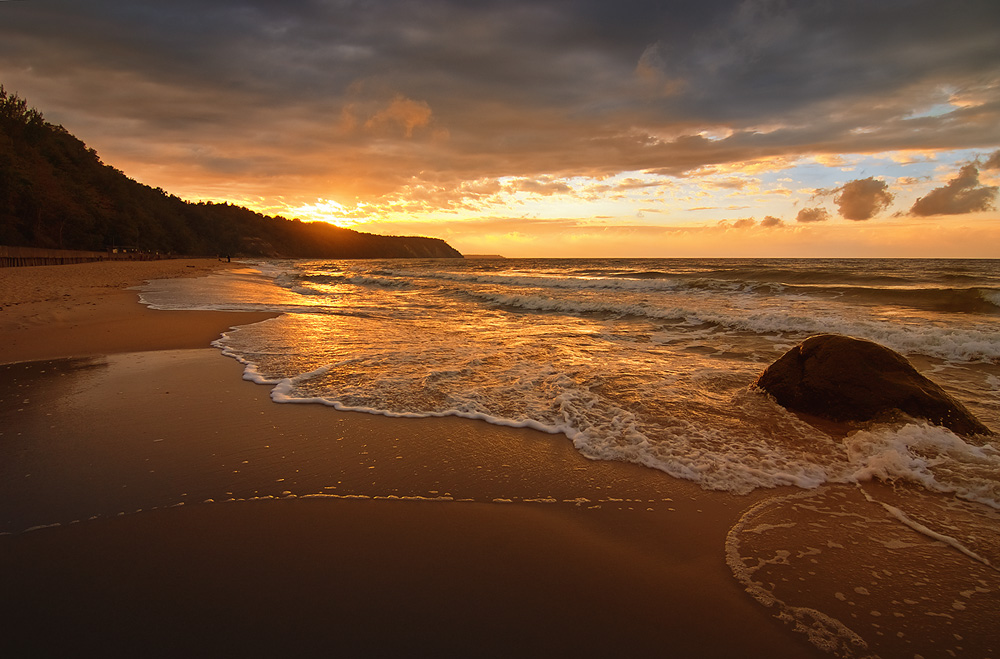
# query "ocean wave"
(865, 273)
(705, 425)
(308, 281)
(546, 281)
(950, 300)
(737, 458)
(893, 291)
(991, 295)
(812, 275)
(645, 369)
(645, 274)
(967, 345)
(602, 431)
(624, 283)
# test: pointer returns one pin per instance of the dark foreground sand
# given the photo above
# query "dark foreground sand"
(432, 537)
(586, 559)
(370, 578)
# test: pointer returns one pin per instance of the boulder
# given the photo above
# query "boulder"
(846, 379)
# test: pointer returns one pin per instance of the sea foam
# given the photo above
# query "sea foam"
(646, 362)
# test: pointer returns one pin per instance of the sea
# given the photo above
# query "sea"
(880, 539)
(650, 361)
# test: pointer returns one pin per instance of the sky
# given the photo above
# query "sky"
(547, 128)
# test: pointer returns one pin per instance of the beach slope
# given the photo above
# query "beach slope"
(185, 514)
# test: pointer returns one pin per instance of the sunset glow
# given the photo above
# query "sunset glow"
(756, 128)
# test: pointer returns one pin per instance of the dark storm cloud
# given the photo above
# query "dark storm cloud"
(962, 194)
(862, 199)
(771, 57)
(376, 96)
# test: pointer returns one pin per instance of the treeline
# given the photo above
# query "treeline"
(56, 193)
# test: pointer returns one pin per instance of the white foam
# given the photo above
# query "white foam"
(604, 364)
(822, 630)
(928, 455)
(991, 295)
(973, 344)
(930, 533)
(550, 281)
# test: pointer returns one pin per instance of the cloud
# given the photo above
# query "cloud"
(753, 58)
(861, 199)
(813, 215)
(403, 112)
(732, 183)
(342, 99)
(770, 222)
(542, 187)
(962, 194)
(992, 162)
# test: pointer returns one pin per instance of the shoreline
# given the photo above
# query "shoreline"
(174, 509)
(529, 549)
(58, 311)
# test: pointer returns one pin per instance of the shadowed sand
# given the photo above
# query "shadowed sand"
(443, 537)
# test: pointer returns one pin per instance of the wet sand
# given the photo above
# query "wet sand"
(47, 312)
(439, 536)
(444, 535)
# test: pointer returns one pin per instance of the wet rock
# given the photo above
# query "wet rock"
(846, 379)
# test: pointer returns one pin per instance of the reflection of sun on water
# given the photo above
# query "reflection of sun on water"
(654, 371)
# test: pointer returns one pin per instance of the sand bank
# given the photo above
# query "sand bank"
(443, 536)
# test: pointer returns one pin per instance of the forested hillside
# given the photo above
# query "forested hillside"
(56, 193)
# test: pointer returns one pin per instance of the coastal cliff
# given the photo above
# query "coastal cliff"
(56, 193)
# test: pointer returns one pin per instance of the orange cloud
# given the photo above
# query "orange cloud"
(545, 187)
(449, 109)
(402, 112)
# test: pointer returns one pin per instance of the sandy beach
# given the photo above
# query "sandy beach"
(156, 504)
(51, 312)
(145, 410)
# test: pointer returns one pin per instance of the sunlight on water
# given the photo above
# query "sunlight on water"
(639, 360)
(652, 362)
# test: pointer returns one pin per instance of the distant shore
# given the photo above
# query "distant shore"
(606, 558)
